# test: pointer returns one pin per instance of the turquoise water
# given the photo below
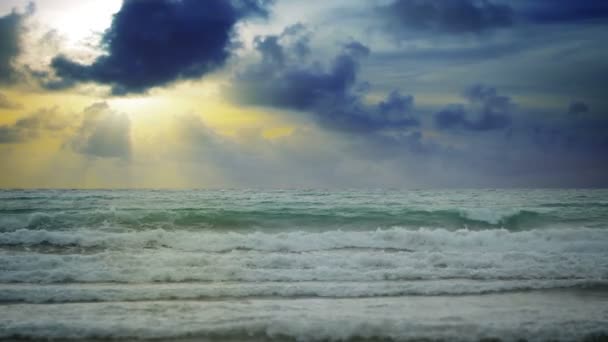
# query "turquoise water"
(304, 264)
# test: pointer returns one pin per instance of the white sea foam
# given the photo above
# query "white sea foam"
(393, 254)
(560, 316)
(557, 240)
(497, 216)
(244, 265)
(433, 255)
(68, 293)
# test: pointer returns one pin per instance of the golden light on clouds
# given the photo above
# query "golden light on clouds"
(164, 93)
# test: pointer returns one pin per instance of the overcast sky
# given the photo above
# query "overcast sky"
(303, 93)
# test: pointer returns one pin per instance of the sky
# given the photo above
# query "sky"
(303, 93)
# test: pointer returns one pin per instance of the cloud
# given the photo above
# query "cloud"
(103, 133)
(332, 93)
(584, 135)
(97, 131)
(153, 43)
(11, 134)
(523, 147)
(577, 108)
(439, 16)
(11, 27)
(404, 17)
(564, 11)
(308, 157)
(6, 103)
(487, 110)
(33, 126)
(538, 152)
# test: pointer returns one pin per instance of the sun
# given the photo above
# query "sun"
(134, 104)
(78, 20)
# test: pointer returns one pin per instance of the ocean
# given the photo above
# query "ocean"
(304, 265)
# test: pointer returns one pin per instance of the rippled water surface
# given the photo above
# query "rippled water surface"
(304, 265)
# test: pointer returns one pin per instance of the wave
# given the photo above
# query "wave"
(602, 204)
(74, 293)
(300, 209)
(316, 219)
(381, 255)
(528, 316)
(303, 265)
(395, 238)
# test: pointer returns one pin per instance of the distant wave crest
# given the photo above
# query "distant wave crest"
(476, 218)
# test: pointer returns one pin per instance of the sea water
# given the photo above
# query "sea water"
(304, 265)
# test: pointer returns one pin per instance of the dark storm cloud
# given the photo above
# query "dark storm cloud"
(563, 11)
(551, 131)
(487, 110)
(155, 42)
(103, 133)
(574, 132)
(276, 49)
(6, 103)
(9, 45)
(333, 93)
(32, 126)
(521, 146)
(477, 16)
(298, 85)
(11, 27)
(455, 16)
(578, 107)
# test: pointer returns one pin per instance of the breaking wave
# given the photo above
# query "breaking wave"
(304, 265)
(75, 293)
(391, 254)
(349, 218)
(480, 318)
(396, 239)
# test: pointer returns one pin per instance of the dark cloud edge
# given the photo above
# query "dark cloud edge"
(154, 43)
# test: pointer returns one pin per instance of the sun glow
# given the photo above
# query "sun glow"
(136, 106)
(82, 20)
